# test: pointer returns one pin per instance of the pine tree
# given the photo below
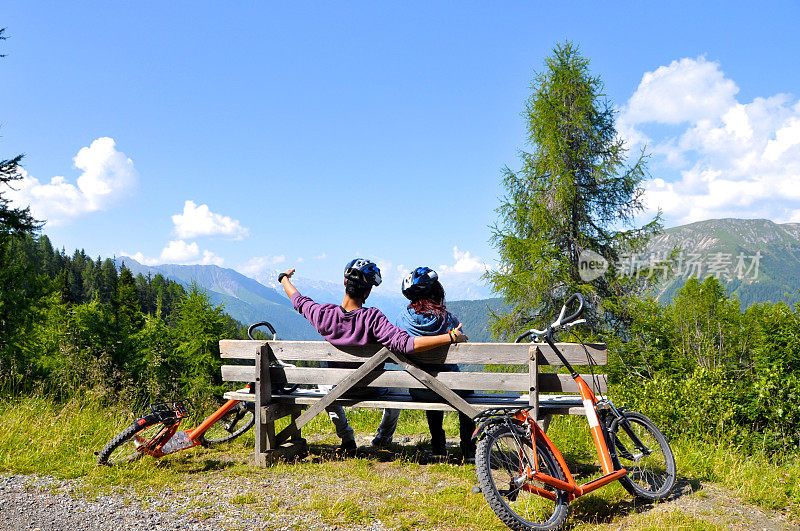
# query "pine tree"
(129, 314)
(573, 193)
(200, 326)
(21, 288)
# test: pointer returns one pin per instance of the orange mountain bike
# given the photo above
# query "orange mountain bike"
(157, 434)
(524, 477)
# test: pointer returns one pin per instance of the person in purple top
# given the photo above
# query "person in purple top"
(350, 324)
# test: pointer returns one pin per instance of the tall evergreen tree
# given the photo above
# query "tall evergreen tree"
(573, 193)
(200, 326)
(129, 314)
(21, 287)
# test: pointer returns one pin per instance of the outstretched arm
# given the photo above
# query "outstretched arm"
(288, 287)
(423, 343)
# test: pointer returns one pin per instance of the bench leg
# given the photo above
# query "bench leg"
(267, 449)
(544, 421)
(265, 439)
(296, 435)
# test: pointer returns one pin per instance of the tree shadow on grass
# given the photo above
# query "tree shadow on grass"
(192, 465)
(597, 510)
(419, 453)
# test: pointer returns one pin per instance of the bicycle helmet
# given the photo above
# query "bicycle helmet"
(363, 271)
(419, 282)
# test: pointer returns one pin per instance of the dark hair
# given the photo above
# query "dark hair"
(432, 302)
(357, 290)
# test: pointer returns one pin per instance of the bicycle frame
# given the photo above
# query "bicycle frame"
(170, 440)
(590, 402)
(570, 485)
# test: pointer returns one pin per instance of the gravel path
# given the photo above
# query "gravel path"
(44, 503)
(714, 504)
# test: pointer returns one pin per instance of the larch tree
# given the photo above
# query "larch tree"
(576, 192)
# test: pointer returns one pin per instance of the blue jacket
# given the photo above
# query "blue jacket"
(425, 324)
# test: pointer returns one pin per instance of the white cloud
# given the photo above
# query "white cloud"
(728, 158)
(260, 264)
(685, 91)
(179, 252)
(210, 258)
(464, 263)
(141, 258)
(198, 221)
(108, 175)
(786, 138)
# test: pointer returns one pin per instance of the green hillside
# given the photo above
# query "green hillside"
(243, 298)
(475, 316)
(769, 254)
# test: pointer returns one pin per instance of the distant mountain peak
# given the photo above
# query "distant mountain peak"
(770, 251)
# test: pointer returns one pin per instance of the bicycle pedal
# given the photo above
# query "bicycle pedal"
(476, 489)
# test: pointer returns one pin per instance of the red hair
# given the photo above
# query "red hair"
(432, 304)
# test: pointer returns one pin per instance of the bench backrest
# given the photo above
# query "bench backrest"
(488, 360)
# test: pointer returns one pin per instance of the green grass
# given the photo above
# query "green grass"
(39, 437)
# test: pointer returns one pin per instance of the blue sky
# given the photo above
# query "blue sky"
(266, 135)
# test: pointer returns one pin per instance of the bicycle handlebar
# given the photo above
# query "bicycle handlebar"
(561, 321)
(524, 335)
(578, 312)
(262, 323)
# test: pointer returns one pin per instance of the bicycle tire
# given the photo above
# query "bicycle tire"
(123, 447)
(231, 425)
(498, 460)
(650, 476)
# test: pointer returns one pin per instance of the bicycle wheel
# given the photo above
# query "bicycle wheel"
(502, 456)
(124, 448)
(234, 423)
(651, 465)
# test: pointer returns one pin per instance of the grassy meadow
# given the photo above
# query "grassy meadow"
(396, 486)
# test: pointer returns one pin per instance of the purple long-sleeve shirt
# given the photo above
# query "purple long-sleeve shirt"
(356, 327)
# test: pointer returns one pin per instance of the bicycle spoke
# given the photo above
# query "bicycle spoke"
(234, 423)
(133, 448)
(647, 465)
(510, 462)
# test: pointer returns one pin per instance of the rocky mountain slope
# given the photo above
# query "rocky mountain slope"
(758, 260)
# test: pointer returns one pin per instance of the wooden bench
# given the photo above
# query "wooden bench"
(547, 393)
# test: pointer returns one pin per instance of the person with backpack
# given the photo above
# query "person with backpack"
(427, 315)
(351, 324)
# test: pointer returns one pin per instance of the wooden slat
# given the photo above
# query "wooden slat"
(244, 349)
(436, 386)
(342, 387)
(453, 380)
(550, 404)
(485, 381)
(468, 353)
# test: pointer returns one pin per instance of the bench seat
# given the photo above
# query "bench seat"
(548, 404)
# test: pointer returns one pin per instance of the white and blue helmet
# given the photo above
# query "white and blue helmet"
(363, 271)
(419, 282)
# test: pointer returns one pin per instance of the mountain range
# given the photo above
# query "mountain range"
(756, 259)
(251, 300)
(244, 299)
